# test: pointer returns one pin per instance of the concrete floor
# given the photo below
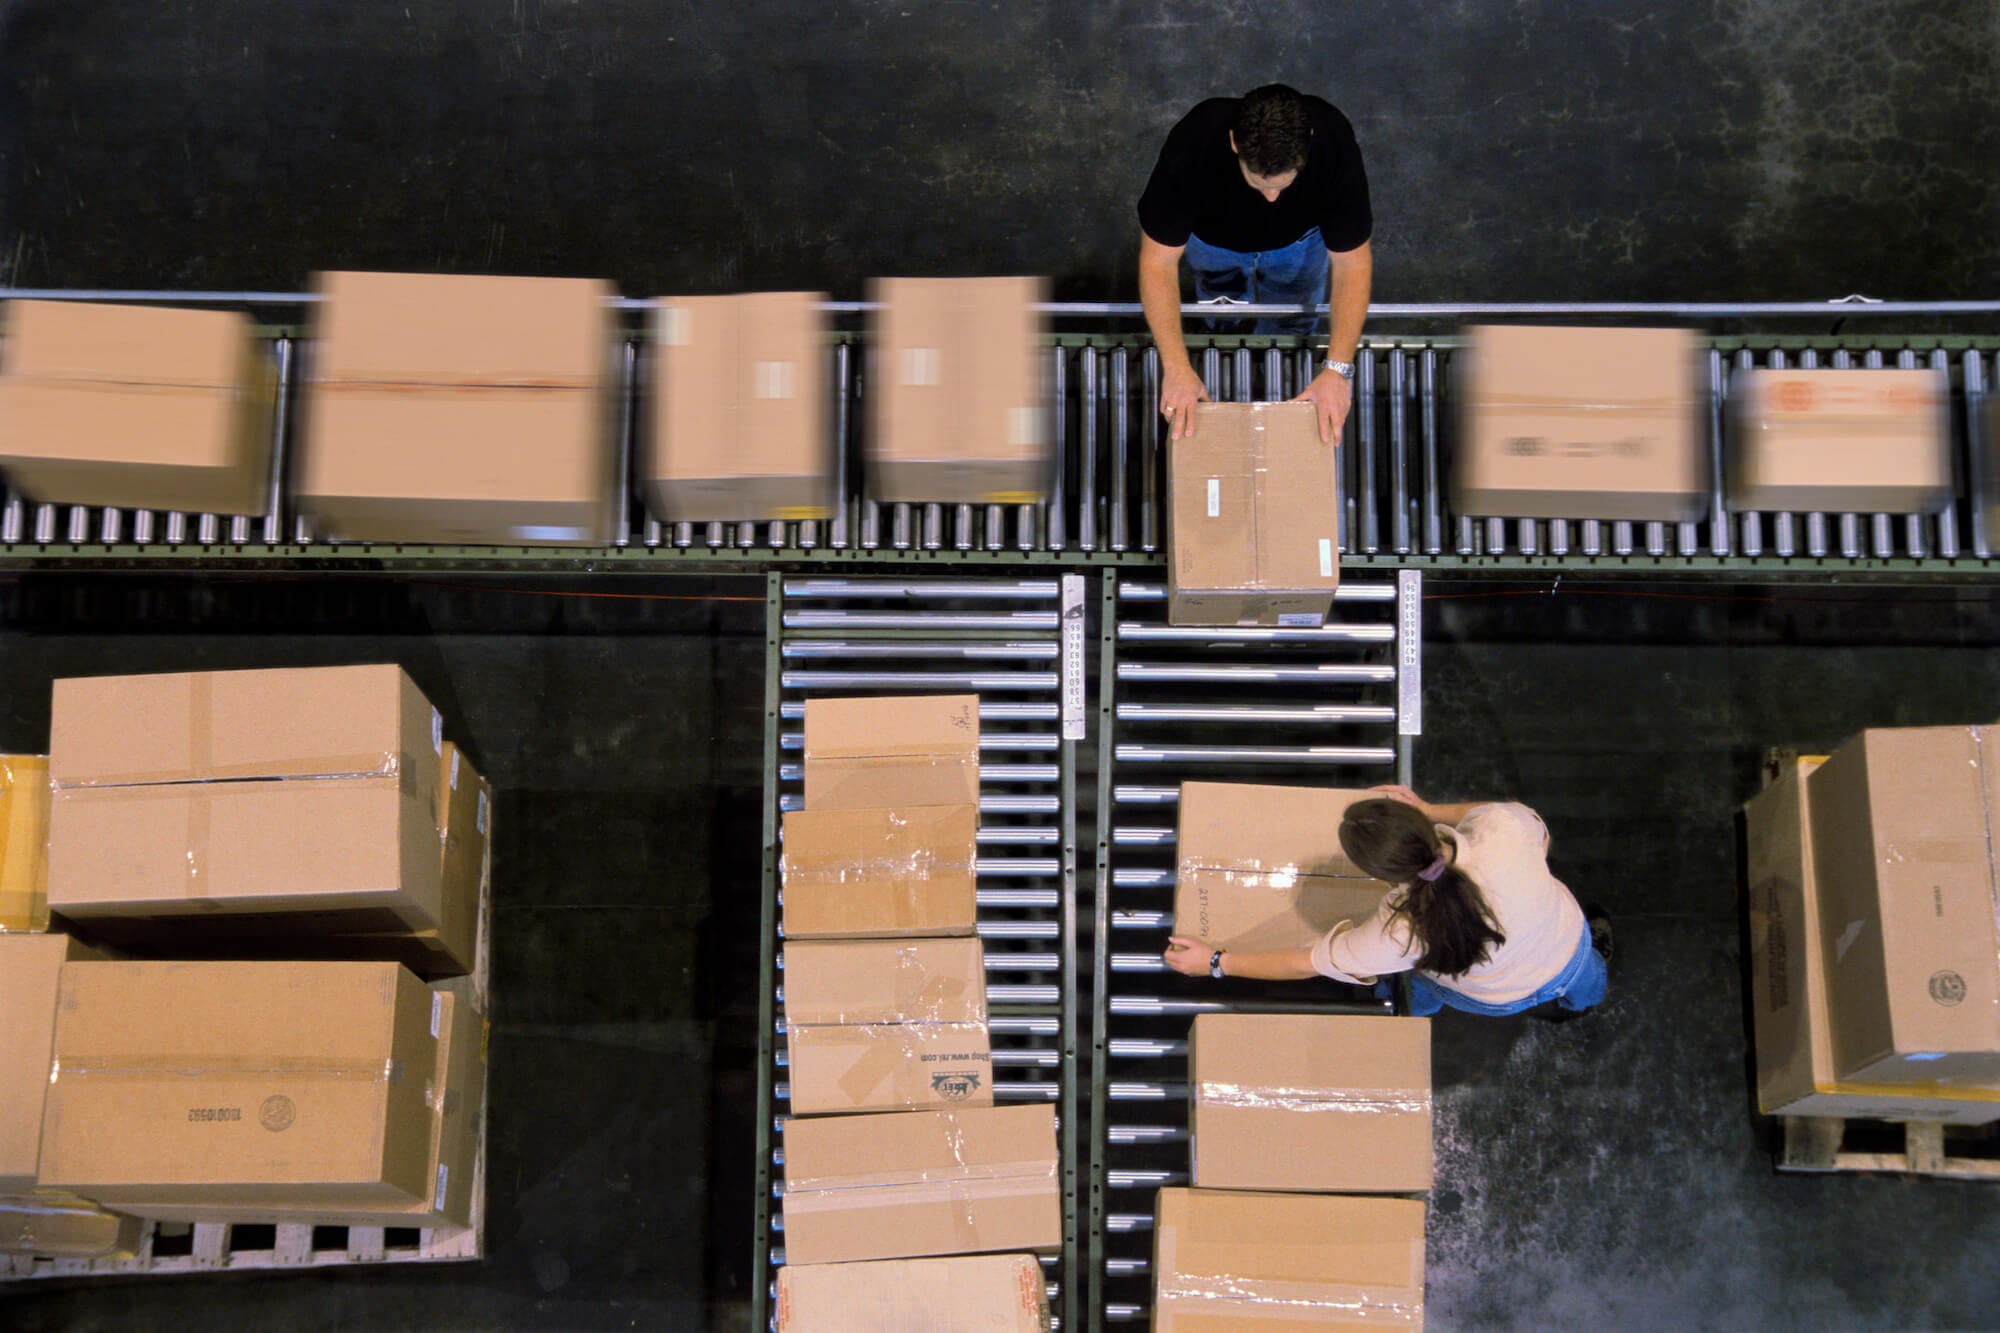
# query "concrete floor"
(1609, 1173)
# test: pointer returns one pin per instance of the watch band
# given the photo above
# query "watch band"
(1215, 965)
(1344, 369)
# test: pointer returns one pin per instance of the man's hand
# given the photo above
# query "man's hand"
(1180, 390)
(1331, 395)
(1188, 957)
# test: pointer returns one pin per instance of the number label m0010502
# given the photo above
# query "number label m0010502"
(208, 1115)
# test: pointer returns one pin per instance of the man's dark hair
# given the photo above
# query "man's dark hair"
(1271, 129)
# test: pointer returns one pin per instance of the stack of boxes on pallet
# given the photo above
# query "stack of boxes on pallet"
(885, 1014)
(1310, 1135)
(1874, 959)
(269, 1007)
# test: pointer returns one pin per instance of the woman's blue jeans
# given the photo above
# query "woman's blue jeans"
(1295, 275)
(1579, 986)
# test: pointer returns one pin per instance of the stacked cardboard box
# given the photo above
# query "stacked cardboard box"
(986, 1293)
(1872, 933)
(136, 407)
(738, 424)
(885, 986)
(1255, 518)
(1579, 423)
(1876, 441)
(24, 842)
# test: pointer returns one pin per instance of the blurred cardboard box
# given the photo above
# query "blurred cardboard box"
(875, 1025)
(63, 1226)
(960, 414)
(136, 407)
(24, 842)
(918, 1183)
(30, 980)
(474, 410)
(1256, 519)
(1260, 867)
(292, 1086)
(1788, 1000)
(1226, 1260)
(1901, 852)
(737, 422)
(1842, 441)
(1320, 1102)
(880, 873)
(232, 796)
(1580, 423)
(985, 1293)
(892, 752)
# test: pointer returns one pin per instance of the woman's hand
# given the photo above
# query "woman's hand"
(1394, 791)
(1188, 957)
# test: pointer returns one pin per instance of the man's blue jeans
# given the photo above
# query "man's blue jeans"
(1579, 986)
(1295, 275)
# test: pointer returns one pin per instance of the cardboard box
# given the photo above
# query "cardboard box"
(1225, 1260)
(892, 752)
(1260, 867)
(737, 421)
(63, 1226)
(1902, 829)
(30, 977)
(985, 1293)
(918, 1183)
(1319, 1102)
(24, 842)
(1788, 1001)
(877, 1025)
(851, 874)
(1580, 423)
(1844, 441)
(1256, 526)
(476, 410)
(235, 795)
(136, 407)
(455, 1096)
(960, 414)
(287, 1085)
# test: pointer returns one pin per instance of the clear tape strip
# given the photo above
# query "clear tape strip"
(1273, 1299)
(1358, 1101)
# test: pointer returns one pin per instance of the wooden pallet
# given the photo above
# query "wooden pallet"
(1813, 1144)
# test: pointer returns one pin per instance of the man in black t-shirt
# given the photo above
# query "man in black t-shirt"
(1266, 196)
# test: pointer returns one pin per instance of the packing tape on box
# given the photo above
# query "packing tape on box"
(1549, 402)
(458, 384)
(138, 1066)
(1355, 1101)
(1276, 1298)
(959, 1172)
(1979, 765)
(915, 1193)
(896, 1052)
(121, 383)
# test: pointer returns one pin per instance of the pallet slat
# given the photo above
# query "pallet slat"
(1812, 1144)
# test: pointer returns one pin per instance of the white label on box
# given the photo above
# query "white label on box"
(454, 770)
(673, 326)
(774, 379)
(437, 732)
(481, 820)
(1215, 497)
(437, 1011)
(444, 1174)
(1326, 557)
(1300, 619)
(533, 532)
(920, 366)
(1024, 425)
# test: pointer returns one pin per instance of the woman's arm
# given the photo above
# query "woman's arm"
(1437, 814)
(1190, 958)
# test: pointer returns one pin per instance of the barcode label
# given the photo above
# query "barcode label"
(673, 330)
(437, 732)
(921, 366)
(437, 1012)
(1326, 557)
(1215, 497)
(481, 820)
(775, 379)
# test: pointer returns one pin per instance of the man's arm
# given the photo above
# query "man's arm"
(1160, 295)
(1350, 275)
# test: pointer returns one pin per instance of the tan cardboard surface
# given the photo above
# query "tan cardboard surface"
(136, 407)
(289, 1085)
(30, 974)
(1322, 1102)
(890, 751)
(880, 872)
(959, 413)
(451, 408)
(1579, 423)
(916, 1183)
(1876, 441)
(24, 842)
(988, 1293)
(1255, 523)
(1260, 867)
(1788, 981)
(53, 1226)
(738, 413)
(1227, 1260)
(1901, 848)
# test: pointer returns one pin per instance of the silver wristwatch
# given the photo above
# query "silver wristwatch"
(1215, 965)
(1344, 369)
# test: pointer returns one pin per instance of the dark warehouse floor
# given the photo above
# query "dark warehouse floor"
(1606, 1173)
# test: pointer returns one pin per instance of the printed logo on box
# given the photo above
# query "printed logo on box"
(1947, 987)
(955, 1087)
(277, 1113)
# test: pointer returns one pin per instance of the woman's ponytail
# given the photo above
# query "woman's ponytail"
(1448, 915)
